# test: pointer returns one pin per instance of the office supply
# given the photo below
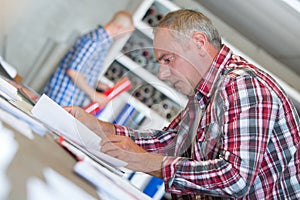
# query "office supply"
(124, 115)
(152, 189)
(122, 85)
(137, 119)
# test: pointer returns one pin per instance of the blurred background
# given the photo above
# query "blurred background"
(35, 33)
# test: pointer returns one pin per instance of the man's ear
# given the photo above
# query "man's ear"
(199, 39)
(201, 42)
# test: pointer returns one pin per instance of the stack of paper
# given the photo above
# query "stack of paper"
(8, 91)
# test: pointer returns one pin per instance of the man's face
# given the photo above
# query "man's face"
(176, 62)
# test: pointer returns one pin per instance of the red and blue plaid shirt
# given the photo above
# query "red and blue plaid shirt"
(246, 145)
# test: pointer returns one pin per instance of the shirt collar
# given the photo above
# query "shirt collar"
(218, 66)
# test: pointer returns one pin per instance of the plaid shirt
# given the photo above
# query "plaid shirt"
(87, 57)
(247, 141)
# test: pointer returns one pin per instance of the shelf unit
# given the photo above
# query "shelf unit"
(133, 56)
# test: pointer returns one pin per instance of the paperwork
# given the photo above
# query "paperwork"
(70, 128)
(8, 91)
(35, 125)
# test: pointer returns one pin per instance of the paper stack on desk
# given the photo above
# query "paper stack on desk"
(8, 91)
(63, 123)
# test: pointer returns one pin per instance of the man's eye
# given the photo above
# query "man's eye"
(167, 61)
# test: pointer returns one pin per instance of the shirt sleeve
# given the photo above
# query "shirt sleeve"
(155, 141)
(249, 111)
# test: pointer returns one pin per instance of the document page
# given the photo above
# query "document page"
(63, 123)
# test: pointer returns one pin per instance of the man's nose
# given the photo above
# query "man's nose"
(164, 72)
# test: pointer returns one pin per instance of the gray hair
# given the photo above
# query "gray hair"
(185, 22)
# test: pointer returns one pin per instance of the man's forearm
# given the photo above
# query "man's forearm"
(104, 128)
(79, 80)
(154, 165)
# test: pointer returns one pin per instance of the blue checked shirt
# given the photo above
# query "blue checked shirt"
(87, 57)
(246, 144)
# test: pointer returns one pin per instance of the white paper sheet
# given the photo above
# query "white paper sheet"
(60, 120)
(64, 123)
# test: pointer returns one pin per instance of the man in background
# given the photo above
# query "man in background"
(76, 77)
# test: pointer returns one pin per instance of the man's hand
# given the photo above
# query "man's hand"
(102, 86)
(99, 127)
(123, 148)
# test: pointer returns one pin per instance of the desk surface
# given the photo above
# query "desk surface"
(33, 156)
